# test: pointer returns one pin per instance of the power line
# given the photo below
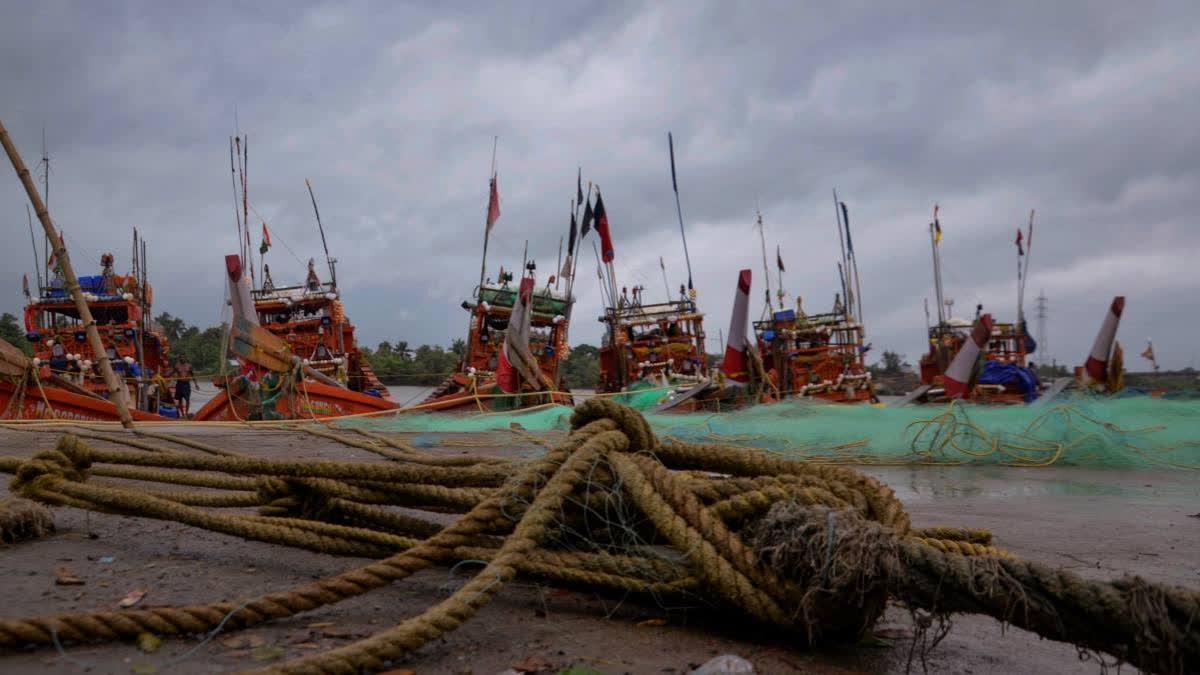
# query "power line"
(1043, 312)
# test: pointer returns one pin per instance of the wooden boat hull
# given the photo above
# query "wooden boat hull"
(65, 405)
(310, 400)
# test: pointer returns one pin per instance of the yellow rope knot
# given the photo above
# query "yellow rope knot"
(69, 460)
(628, 421)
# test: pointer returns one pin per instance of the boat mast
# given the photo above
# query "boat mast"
(332, 262)
(679, 212)
(844, 265)
(119, 392)
(934, 232)
(37, 265)
(237, 214)
(487, 229)
(1023, 273)
(139, 333)
(762, 239)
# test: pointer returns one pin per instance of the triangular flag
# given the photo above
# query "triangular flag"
(588, 217)
(1020, 238)
(937, 226)
(779, 259)
(266, 240)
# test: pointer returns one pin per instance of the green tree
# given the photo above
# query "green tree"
(11, 331)
(581, 369)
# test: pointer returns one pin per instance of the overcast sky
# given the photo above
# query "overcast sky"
(1086, 112)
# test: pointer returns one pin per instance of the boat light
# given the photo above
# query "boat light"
(127, 296)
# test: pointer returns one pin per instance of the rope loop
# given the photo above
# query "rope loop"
(628, 421)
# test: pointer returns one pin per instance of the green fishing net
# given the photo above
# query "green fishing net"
(1078, 430)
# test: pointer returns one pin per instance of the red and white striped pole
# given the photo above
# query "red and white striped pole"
(1097, 362)
(958, 375)
(734, 364)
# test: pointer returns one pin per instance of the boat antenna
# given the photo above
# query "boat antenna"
(320, 228)
(37, 265)
(679, 209)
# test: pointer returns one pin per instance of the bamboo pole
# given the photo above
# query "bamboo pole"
(60, 251)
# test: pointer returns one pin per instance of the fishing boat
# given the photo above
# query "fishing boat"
(121, 308)
(652, 345)
(516, 342)
(981, 360)
(818, 356)
(295, 347)
(275, 379)
(517, 336)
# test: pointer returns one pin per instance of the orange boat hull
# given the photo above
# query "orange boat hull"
(311, 400)
(64, 405)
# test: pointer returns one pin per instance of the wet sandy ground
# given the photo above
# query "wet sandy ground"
(1098, 523)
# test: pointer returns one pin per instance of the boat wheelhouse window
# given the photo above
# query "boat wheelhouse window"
(498, 322)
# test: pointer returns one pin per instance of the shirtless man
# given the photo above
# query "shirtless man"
(184, 378)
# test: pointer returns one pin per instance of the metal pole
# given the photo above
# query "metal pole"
(120, 393)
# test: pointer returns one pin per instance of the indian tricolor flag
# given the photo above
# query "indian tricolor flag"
(266, 240)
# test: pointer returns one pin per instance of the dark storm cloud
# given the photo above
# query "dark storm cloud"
(1083, 111)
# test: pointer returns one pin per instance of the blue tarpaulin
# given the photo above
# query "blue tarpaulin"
(997, 372)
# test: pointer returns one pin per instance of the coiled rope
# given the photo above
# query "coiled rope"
(813, 550)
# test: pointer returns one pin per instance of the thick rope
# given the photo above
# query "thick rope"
(813, 549)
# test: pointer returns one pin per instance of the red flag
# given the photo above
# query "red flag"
(601, 215)
(1020, 238)
(493, 205)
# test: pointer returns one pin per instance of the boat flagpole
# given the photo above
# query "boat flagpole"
(493, 199)
(779, 269)
(679, 212)
(119, 392)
